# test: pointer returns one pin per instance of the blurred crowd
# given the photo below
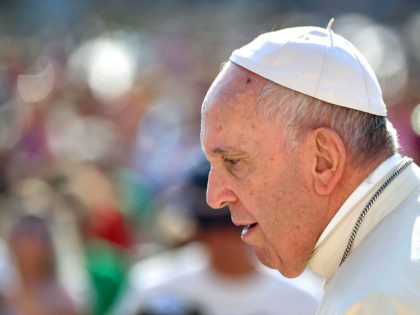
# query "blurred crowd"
(99, 127)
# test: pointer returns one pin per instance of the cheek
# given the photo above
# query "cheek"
(282, 205)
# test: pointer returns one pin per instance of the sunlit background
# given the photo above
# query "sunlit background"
(99, 114)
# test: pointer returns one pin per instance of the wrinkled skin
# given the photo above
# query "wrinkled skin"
(264, 185)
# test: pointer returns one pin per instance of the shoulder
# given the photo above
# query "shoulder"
(383, 270)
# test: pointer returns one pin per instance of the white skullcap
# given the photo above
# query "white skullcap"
(317, 62)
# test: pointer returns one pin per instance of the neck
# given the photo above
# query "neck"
(235, 262)
(234, 268)
(376, 201)
(353, 175)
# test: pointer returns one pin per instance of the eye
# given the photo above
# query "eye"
(231, 161)
(236, 165)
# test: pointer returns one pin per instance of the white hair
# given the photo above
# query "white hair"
(365, 135)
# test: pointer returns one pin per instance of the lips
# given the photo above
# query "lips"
(247, 230)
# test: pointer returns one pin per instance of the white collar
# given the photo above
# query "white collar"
(359, 193)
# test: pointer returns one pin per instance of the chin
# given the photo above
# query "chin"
(291, 273)
(268, 260)
(276, 263)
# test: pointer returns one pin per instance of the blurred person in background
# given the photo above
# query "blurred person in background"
(303, 154)
(105, 234)
(38, 198)
(89, 236)
(228, 278)
(36, 289)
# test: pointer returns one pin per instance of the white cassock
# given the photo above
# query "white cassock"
(381, 274)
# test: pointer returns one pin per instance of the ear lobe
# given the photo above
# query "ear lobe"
(329, 158)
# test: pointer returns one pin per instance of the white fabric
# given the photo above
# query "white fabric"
(382, 273)
(183, 276)
(317, 62)
(359, 193)
(213, 294)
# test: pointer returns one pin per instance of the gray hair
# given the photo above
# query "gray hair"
(365, 136)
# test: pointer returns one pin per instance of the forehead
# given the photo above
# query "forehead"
(233, 85)
(228, 112)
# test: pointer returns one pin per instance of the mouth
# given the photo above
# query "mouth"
(247, 230)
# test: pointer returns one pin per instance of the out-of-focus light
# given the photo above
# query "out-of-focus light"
(106, 65)
(412, 32)
(385, 52)
(382, 48)
(348, 25)
(112, 70)
(36, 87)
(415, 120)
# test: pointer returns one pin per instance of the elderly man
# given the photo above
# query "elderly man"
(301, 151)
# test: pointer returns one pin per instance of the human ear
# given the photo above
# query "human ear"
(328, 158)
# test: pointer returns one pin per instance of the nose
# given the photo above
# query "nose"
(219, 194)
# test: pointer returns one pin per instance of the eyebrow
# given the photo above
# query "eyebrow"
(219, 150)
